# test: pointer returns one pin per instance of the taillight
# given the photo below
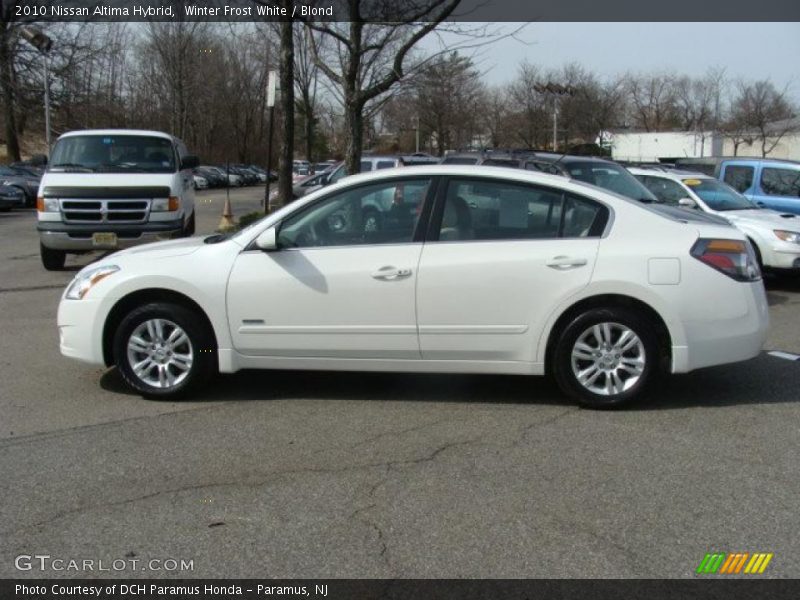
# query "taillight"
(735, 258)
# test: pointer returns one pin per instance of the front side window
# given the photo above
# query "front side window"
(739, 178)
(482, 210)
(384, 213)
(114, 154)
(780, 182)
(666, 190)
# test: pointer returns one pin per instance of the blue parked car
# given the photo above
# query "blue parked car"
(771, 183)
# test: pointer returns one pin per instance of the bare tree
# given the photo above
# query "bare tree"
(448, 94)
(765, 111)
(286, 76)
(653, 101)
(364, 60)
(528, 111)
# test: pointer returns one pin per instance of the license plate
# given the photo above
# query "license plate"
(104, 239)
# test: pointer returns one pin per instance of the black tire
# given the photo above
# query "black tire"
(201, 340)
(53, 260)
(188, 231)
(618, 318)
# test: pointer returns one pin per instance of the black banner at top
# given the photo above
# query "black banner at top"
(402, 589)
(403, 10)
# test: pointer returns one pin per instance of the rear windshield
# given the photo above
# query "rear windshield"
(611, 177)
(114, 154)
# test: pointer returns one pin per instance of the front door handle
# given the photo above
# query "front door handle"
(566, 262)
(390, 273)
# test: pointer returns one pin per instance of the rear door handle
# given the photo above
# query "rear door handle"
(390, 273)
(566, 262)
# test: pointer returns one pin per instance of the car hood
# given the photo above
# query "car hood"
(763, 216)
(109, 180)
(164, 249)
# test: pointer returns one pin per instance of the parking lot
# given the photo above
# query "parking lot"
(306, 474)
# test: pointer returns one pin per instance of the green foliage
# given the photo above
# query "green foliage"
(249, 219)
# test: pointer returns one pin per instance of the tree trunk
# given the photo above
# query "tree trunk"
(7, 85)
(286, 77)
(354, 127)
(309, 130)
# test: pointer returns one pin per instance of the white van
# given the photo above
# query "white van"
(106, 189)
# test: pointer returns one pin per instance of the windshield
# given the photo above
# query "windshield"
(114, 154)
(611, 177)
(718, 195)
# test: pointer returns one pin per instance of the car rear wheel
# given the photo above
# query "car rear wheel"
(53, 260)
(164, 351)
(606, 357)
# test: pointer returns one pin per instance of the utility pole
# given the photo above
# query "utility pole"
(272, 82)
(557, 91)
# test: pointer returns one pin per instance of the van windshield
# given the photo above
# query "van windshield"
(114, 154)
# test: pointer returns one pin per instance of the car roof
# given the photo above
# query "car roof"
(147, 132)
(676, 174)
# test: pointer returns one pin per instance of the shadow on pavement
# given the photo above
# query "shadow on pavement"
(764, 380)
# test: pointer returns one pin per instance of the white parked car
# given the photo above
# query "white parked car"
(775, 236)
(200, 182)
(470, 270)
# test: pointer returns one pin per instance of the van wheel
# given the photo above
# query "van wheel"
(188, 231)
(53, 260)
(164, 350)
(606, 357)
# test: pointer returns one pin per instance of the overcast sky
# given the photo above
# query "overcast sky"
(746, 50)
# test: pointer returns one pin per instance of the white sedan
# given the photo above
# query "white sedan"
(462, 270)
(775, 236)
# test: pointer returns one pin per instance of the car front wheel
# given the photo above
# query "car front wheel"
(606, 357)
(164, 350)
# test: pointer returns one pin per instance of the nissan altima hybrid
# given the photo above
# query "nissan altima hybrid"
(445, 269)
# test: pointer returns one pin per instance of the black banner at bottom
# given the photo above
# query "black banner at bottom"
(369, 589)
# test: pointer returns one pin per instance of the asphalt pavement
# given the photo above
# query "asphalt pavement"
(309, 474)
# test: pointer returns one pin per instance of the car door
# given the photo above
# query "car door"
(499, 258)
(334, 288)
(779, 187)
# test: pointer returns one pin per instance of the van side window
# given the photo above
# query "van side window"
(739, 177)
(780, 182)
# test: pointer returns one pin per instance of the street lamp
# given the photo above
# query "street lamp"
(556, 90)
(42, 43)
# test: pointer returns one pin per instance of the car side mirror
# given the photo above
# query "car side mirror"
(687, 203)
(267, 240)
(190, 162)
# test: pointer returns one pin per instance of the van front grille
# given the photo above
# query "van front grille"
(105, 211)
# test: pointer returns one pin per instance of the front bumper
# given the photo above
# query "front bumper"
(80, 330)
(12, 201)
(60, 236)
(784, 256)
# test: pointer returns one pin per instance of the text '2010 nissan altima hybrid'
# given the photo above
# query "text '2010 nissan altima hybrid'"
(446, 269)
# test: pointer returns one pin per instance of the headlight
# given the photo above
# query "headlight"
(788, 236)
(47, 204)
(165, 204)
(85, 280)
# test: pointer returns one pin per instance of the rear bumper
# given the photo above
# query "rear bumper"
(59, 236)
(729, 338)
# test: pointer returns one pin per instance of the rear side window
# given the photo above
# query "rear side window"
(738, 177)
(780, 182)
(366, 166)
(385, 164)
(492, 210)
(460, 160)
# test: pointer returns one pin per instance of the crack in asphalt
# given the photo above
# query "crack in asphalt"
(32, 288)
(360, 514)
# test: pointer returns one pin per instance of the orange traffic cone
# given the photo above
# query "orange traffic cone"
(226, 222)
